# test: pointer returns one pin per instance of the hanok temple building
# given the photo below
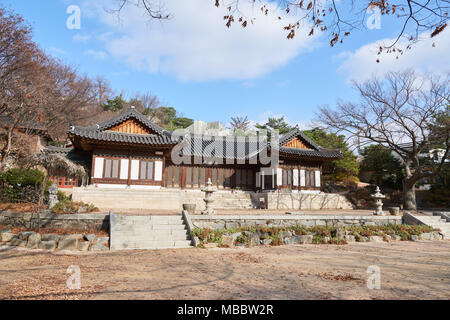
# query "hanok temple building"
(129, 151)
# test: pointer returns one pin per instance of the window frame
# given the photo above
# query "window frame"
(112, 159)
(146, 169)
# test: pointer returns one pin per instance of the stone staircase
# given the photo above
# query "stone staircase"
(148, 232)
(436, 222)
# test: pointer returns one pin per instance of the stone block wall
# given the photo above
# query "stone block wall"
(172, 199)
(237, 221)
(98, 222)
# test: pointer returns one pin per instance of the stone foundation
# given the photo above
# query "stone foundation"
(80, 222)
(238, 221)
(172, 199)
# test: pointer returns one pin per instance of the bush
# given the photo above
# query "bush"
(22, 177)
(20, 185)
(67, 206)
(318, 232)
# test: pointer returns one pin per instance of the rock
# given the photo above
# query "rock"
(101, 240)
(210, 245)
(240, 245)
(18, 243)
(288, 240)
(196, 241)
(83, 245)
(430, 236)
(50, 237)
(396, 237)
(414, 238)
(394, 211)
(6, 237)
(285, 234)
(236, 235)
(306, 239)
(47, 245)
(228, 241)
(101, 247)
(77, 236)
(340, 234)
(253, 239)
(437, 235)
(326, 239)
(364, 239)
(68, 244)
(25, 234)
(33, 240)
(89, 237)
(296, 239)
(350, 238)
(388, 238)
(267, 242)
(375, 239)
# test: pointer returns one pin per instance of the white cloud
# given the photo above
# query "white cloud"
(361, 64)
(81, 38)
(99, 55)
(195, 44)
(57, 51)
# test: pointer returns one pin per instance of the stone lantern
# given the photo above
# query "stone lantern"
(378, 197)
(52, 195)
(208, 190)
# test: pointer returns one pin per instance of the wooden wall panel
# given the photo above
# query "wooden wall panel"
(296, 143)
(131, 126)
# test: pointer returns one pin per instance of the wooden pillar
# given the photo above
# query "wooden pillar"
(129, 168)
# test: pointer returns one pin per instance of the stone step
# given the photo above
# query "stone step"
(153, 244)
(153, 232)
(149, 232)
(138, 239)
(149, 228)
(147, 221)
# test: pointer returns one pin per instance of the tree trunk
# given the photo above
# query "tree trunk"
(41, 201)
(6, 149)
(409, 196)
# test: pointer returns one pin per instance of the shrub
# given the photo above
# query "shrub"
(20, 185)
(62, 196)
(70, 207)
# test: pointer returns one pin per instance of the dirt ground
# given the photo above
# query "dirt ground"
(409, 270)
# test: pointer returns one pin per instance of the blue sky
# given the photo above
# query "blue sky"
(193, 63)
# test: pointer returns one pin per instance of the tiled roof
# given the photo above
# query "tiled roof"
(321, 153)
(196, 145)
(120, 137)
(222, 147)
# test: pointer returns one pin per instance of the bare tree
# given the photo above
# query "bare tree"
(336, 18)
(398, 112)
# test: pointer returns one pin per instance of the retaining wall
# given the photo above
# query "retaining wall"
(236, 221)
(172, 199)
(98, 221)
